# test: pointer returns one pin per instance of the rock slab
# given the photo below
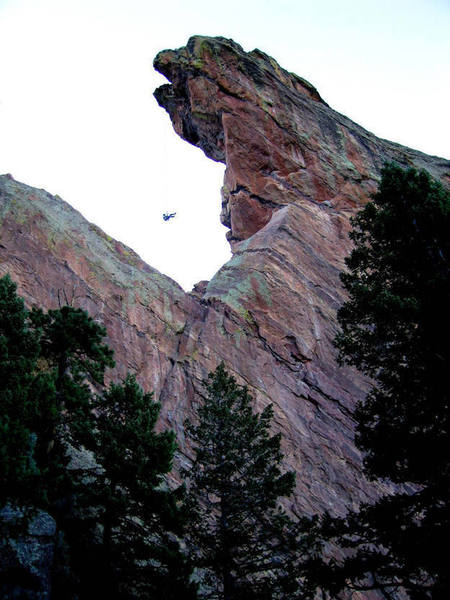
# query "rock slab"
(26, 560)
(296, 171)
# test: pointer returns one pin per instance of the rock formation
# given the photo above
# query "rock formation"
(281, 143)
(26, 561)
(295, 172)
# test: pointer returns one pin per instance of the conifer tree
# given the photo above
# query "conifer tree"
(47, 361)
(72, 345)
(137, 553)
(69, 356)
(23, 400)
(118, 519)
(394, 329)
(243, 543)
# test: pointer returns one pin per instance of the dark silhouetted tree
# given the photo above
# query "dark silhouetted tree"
(27, 402)
(118, 518)
(394, 328)
(137, 553)
(72, 344)
(73, 357)
(241, 540)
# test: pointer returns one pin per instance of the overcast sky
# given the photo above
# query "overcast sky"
(77, 115)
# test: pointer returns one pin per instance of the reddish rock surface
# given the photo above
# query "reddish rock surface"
(295, 172)
(280, 141)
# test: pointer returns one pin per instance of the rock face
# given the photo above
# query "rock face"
(295, 172)
(26, 561)
(281, 143)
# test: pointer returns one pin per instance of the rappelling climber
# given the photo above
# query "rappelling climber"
(167, 216)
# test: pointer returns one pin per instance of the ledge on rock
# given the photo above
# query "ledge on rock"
(281, 143)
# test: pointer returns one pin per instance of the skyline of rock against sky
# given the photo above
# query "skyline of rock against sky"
(78, 118)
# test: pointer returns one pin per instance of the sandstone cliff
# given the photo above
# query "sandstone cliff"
(295, 172)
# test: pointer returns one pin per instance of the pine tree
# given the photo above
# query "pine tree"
(394, 329)
(73, 348)
(137, 554)
(21, 394)
(399, 287)
(243, 543)
(118, 519)
(69, 358)
(47, 361)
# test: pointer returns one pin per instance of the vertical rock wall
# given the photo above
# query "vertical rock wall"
(295, 172)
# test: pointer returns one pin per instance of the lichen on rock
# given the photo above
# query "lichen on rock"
(280, 142)
(296, 171)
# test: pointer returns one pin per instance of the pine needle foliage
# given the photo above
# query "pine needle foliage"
(135, 556)
(394, 328)
(242, 541)
(117, 520)
(393, 325)
(23, 398)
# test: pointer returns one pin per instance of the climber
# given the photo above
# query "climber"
(167, 216)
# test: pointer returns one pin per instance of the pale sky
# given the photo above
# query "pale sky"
(77, 115)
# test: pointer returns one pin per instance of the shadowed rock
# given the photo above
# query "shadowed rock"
(26, 560)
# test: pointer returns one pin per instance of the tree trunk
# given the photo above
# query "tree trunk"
(227, 578)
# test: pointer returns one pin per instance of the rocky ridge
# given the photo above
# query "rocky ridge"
(295, 172)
